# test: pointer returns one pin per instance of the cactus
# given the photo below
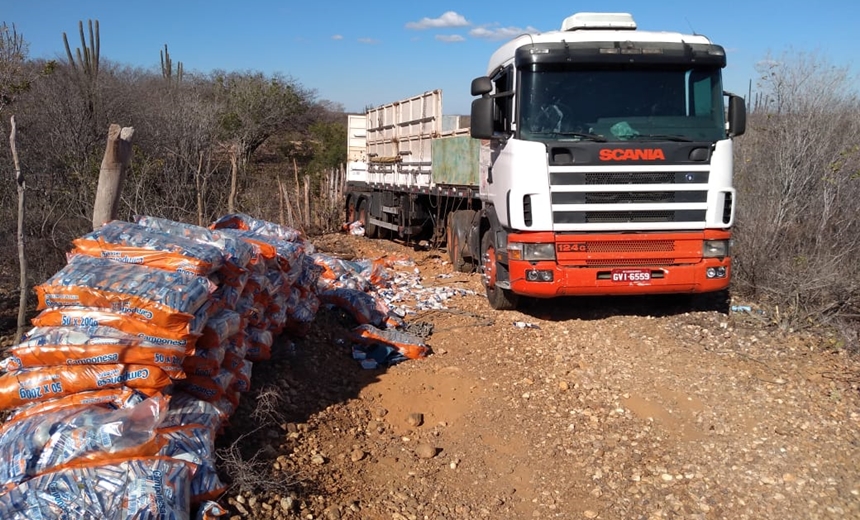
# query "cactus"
(167, 66)
(86, 60)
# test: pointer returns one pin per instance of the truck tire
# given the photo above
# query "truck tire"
(500, 299)
(370, 230)
(455, 248)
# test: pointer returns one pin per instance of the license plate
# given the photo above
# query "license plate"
(631, 275)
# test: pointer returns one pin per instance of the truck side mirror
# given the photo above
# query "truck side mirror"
(482, 108)
(481, 86)
(482, 118)
(737, 116)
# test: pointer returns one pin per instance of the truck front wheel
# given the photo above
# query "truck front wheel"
(500, 299)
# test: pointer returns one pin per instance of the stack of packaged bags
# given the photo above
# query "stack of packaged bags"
(144, 344)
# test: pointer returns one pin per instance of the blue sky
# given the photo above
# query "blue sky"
(372, 52)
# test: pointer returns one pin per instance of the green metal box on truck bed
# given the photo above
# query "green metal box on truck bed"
(456, 160)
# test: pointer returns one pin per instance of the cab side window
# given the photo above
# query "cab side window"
(504, 99)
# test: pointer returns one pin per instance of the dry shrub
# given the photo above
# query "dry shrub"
(248, 459)
(251, 473)
(270, 406)
(798, 179)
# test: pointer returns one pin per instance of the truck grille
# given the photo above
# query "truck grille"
(629, 262)
(621, 217)
(630, 246)
(633, 200)
(616, 178)
(629, 197)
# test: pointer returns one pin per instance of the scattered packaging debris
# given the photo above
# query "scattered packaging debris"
(526, 325)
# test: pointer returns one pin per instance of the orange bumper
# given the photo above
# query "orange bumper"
(590, 264)
(570, 281)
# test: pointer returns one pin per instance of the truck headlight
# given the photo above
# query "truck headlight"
(535, 252)
(715, 249)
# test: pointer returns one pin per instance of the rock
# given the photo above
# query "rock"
(415, 419)
(318, 460)
(356, 455)
(426, 451)
(590, 514)
(287, 504)
(564, 386)
(240, 499)
(380, 412)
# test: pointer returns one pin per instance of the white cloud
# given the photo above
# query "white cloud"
(450, 38)
(500, 33)
(337, 37)
(369, 41)
(448, 19)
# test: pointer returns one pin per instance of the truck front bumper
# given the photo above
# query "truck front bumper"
(597, 281)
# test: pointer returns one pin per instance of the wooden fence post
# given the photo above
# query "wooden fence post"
(22, 257)
(283, 221)
(114, 166)
(308, 222)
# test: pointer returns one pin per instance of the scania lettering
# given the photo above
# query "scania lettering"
(621, 154)
(597, 160)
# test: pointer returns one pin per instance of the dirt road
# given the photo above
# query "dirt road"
(610, 409)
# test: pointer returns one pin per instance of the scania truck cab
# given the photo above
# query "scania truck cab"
(610, 163)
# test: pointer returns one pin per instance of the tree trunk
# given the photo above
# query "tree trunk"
(22, 257)
(115, 163)
(234, 178)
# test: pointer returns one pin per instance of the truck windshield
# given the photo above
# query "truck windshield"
(631, 104)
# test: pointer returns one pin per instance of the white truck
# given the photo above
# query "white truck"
(597, 160)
